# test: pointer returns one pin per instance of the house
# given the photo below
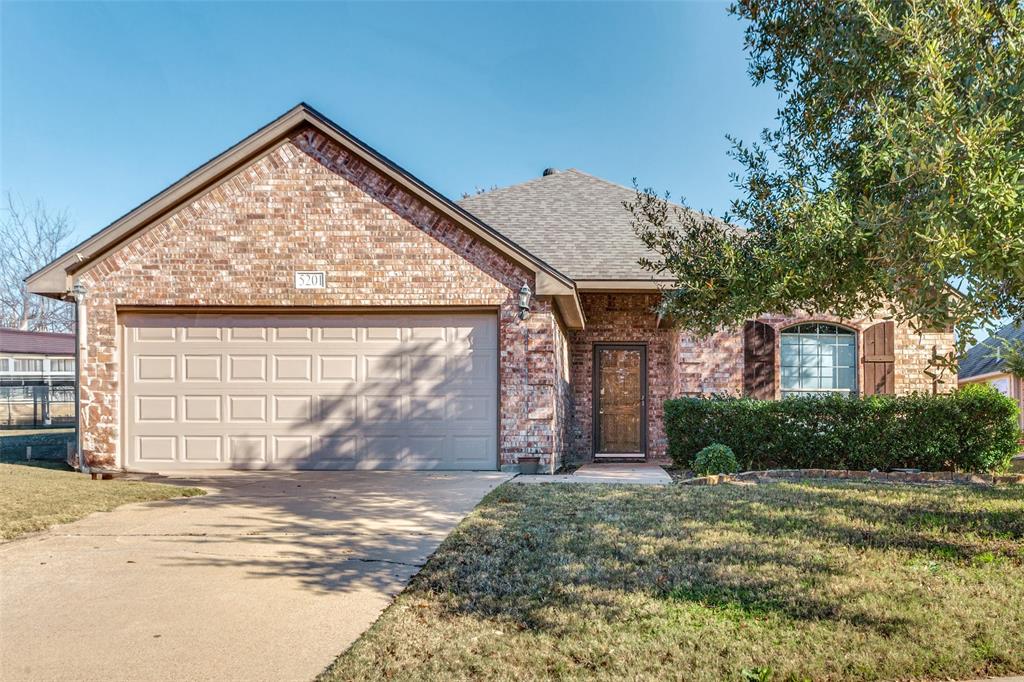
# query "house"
(302, 301)
(37, 377)
(30, 358)
(984, 363)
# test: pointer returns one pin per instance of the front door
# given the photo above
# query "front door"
(620, 400)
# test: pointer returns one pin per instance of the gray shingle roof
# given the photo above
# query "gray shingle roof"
(982, 358)
(570, 219)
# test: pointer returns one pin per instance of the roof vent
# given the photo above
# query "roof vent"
(549, 171)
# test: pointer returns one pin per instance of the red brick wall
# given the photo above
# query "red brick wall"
(913, 352)
(679, 364)
(620, 318)
(310, 204)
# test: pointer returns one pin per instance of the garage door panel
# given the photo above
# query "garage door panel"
(342, 332)
(247, 449)
(155, 368)
(145, 334)
(335, 391)
(155, 408)
(243, 334)
(201, 408)
(193, 335)
(338, 408)
(289, 334)
(156, 448)
(247, 367)
(430, 408)
(293, 368)
(290, 409)
(342, 368)
(382, 408)
(203, 449)
(201, 368)
(247, 408)
(382, 367)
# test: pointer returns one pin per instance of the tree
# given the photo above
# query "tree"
(31, 237)
(893, 177)
(1012, 355)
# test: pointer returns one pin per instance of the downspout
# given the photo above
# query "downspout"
(78, 290)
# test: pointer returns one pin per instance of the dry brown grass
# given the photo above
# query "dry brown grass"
(33, 498)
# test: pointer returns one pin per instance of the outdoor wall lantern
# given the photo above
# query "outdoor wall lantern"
(524, 301)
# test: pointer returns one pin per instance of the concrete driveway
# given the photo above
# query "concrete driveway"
(268, 577)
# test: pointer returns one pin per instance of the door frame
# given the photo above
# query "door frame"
(595, 399)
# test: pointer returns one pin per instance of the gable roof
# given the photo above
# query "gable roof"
(983, 358)
(36, 343)
(571, 219)
(54, 279)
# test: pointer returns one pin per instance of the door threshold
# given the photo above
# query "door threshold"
(620, 455)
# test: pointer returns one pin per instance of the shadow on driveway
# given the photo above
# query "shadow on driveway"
(269, 576)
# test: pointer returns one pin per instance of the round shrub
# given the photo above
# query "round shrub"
(715, 459)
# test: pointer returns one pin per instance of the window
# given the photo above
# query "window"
(62, 364)
(28, 364)
(818, 359)
(1002, 384)
(5, 365)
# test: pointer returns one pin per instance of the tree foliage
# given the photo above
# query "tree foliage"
(1012, 355)
(30, 237)
(894, 173)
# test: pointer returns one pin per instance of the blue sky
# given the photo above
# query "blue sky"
(105, 104)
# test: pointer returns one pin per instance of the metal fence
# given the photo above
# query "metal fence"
(37, 405)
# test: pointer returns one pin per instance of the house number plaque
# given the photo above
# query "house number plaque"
(310, 279)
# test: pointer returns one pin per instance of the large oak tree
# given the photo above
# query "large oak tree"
(893, 175)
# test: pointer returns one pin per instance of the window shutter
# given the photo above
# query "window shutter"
(758, 360)
(879, 359)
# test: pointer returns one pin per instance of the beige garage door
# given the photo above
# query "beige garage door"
(336, 391)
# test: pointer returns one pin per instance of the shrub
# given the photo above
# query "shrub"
(715, 459)
(972, 429)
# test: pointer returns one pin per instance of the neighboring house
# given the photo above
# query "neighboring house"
(36, 358)
(37, 377)
(984, 364)
(301, 301)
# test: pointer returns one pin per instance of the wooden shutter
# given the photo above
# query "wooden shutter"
(758, 360)
(879, 359)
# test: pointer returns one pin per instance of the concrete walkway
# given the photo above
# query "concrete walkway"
(640, 474)
(269, 577)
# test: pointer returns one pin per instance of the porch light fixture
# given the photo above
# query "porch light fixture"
(524, 301)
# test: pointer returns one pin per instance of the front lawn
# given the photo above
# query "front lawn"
(35, 497)
(778, 581)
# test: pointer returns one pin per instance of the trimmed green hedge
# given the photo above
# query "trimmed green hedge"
(973, 429)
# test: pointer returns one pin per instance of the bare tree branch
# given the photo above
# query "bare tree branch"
(31, 236)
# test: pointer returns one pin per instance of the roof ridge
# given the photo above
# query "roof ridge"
(518, 185)
(599, 179)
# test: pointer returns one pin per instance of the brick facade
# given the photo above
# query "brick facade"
(309, 204)
(679, 364)
(620, 318)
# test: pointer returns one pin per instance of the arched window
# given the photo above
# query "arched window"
(818, 359)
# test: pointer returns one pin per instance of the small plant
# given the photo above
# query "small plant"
(715, 459)
(759, 674)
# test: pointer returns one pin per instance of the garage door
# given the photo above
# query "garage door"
(338, 391)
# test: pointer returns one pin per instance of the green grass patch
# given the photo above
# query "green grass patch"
(49, 444)
(788, 581)
(35, 497)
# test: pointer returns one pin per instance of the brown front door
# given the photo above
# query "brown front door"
(620, 399)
